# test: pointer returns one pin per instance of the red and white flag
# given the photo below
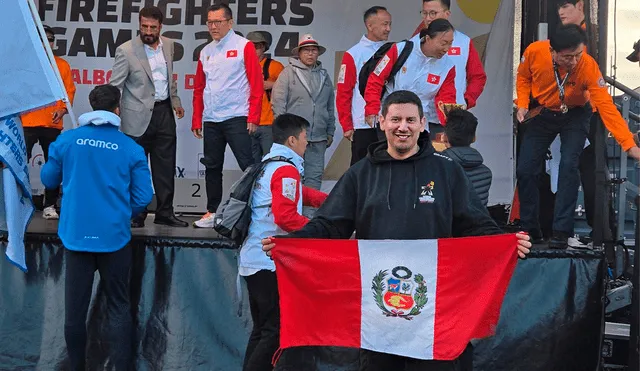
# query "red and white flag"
(423, 299)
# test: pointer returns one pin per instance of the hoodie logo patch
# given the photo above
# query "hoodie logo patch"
(289, 188)
(426, 193)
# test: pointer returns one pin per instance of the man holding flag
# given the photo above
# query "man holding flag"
(432, 199)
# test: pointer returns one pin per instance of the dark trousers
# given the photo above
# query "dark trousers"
(573, 128)
(45, 136)
(216, 136)
(159, 142)
(261, 142)
(265, 313)
(588, 177)
(362, 139)
(114, 277)
(374, 361)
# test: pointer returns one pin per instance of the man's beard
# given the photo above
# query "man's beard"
(149, 39)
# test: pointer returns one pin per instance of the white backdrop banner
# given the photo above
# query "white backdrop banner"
(89, 31)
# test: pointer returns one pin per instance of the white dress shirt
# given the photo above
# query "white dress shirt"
(158, 71)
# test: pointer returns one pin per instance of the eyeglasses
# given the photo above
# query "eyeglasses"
(431, 14)
(217, 23)
(51, 39)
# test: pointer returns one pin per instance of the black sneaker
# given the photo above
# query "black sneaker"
(536, 237)
(559, 241)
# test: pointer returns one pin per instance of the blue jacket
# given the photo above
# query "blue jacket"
(105, 181)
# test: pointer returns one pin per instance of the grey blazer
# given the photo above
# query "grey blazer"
(132, 75)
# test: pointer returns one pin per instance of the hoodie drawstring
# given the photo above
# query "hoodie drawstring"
(415, 185)
(389, 189)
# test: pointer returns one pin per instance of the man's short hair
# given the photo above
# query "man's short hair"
(402, 97)
(152, 12)
(227, 11)
(48, 30)
(374, 10)
(288, 125)
(561, 3)
(104, 98)
(567, 37)
(446, 3)
(461, 128)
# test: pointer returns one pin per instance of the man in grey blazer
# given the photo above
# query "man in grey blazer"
(143, 70)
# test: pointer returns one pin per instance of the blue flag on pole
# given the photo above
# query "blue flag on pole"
(16, 195)
(27, 79)
(27, 82)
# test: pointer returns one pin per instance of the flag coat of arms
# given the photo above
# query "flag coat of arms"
(423, 299)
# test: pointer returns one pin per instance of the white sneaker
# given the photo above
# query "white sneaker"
(50, 213)
(575, 243)
(206, 221)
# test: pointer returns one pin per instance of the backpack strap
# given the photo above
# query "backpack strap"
(264, 164)
(402, 58)
(265, 74)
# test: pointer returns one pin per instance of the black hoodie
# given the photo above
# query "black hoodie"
(472, 163)
(425, 196)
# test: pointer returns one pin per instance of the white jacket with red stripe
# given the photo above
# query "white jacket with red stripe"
(432, 79)
(349, 102)
(228, 82)
(470, 76)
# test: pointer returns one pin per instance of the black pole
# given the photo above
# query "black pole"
(634, 341)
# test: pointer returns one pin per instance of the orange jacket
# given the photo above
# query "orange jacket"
(44, 116)
(585, 83)
(275, 67)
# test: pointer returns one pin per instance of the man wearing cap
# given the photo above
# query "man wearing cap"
(635, 56)
(262, 139)
(44, 126)
(305, 89)
(227, 100)
(349, 102)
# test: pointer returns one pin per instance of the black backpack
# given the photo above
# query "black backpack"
(234, 215)
(371, 64)
(265, 74)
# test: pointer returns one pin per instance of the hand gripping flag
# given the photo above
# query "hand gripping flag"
(423, 299)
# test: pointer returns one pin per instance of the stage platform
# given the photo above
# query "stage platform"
(187, 313)
(40, 228)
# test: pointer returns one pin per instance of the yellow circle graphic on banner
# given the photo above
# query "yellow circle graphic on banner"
(481, 11)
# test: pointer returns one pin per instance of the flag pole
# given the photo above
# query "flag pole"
(43, 36)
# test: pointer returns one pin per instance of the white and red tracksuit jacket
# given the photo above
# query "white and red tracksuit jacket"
(433, 80)
(349, 102)
(228, 82)
(276, 207)
(470, 75)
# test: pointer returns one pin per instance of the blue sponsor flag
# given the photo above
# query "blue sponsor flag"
(27, 82)
(16, 190)
(27, 79)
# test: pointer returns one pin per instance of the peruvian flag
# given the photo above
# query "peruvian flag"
(423, 299)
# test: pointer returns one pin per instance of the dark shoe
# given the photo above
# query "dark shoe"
(137, 223)
(171, 221)
(536, 237)
(559, 241)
